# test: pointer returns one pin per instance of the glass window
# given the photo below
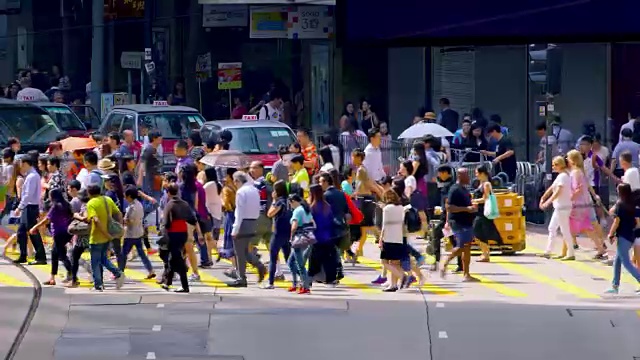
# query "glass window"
(128, 123)
(264, 140)
(66, 119)
(173, 125)
(29, 125)
(113, 123)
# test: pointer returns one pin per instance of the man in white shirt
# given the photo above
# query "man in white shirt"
(631, 174)
(28, 93)
(628, 125)
(373, 156)
(245, 227)
(272, 109)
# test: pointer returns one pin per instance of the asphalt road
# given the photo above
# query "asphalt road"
(525, 307)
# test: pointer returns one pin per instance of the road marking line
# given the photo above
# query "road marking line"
(594, 268)
(558, 284)
(443, 335)
(439, 305)
(499, 288)
(47, 270)
(11, 281)
(160, 306)
(151, 355)
(156, 328)
(427, 287)
(205, 278)
(345, 282)
(638, 313)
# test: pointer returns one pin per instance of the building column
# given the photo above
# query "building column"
(407, 79)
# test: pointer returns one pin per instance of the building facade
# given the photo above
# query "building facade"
(504, 58)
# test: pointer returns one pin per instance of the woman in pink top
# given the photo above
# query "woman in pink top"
(583, 214)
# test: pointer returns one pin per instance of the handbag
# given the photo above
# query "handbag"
(303, 238)
(114, 228)
(79, 228)
(491, 207)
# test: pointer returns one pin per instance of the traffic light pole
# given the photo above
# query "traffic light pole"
(548, 155)
(97, 55)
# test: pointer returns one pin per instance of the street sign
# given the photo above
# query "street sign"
(550, 108)
(229, 76)
(131, 60)
(147, 54)
(150, 66)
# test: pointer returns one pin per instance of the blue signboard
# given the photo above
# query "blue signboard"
(410, 19)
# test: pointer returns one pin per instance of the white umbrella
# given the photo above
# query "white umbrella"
(419, 130)
(226, 158)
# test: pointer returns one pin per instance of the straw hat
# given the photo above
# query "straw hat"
(106, 164)
(430, 115)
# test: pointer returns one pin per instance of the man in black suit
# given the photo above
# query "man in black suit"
(448, 117)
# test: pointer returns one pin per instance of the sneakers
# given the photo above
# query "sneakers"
(194, 277)
(120, 282)
(612, 291)
(303, 291)
(379, 280)
(293, 288)
(280, 277)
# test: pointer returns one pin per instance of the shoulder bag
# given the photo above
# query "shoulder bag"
(304, 237)
(114, 228)
(491, 211)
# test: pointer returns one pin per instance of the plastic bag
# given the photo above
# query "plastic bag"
(491, 207)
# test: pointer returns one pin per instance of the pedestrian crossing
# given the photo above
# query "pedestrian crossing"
(522, 278)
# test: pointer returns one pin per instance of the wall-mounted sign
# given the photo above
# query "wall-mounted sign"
(311, 22)
(225, 15)
(131, 60)
(229, 76)
(269, 22)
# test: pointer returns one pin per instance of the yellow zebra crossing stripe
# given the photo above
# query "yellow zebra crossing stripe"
(7, 280)
(558, 284)
(427, 287)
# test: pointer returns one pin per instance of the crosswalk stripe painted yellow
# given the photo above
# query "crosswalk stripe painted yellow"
(11, 281)
(205, 278)
(593, 268)
(427, 287)
(558, 284)
(346, 282)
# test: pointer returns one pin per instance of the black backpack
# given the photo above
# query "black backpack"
(412, 220)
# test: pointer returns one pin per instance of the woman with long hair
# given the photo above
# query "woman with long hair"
(59, 217)
(476, 141)
(323, 252)
(583, 215)
(484, 229)
(301, 220)
(622, 230)
(213, 190)
(280, 212)
(228, 197)
(178, 215)
(178, 94)
(189, 193)
(392, 241)
(559, 194)
(419, 194)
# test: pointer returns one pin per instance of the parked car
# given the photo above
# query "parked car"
(259, 139)
(173, 122)
(29, 123)
(66, 119)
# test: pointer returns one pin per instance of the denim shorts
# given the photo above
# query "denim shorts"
(463, 236)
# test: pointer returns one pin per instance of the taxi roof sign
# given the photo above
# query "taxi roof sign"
(249, 117)
(160, 103)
